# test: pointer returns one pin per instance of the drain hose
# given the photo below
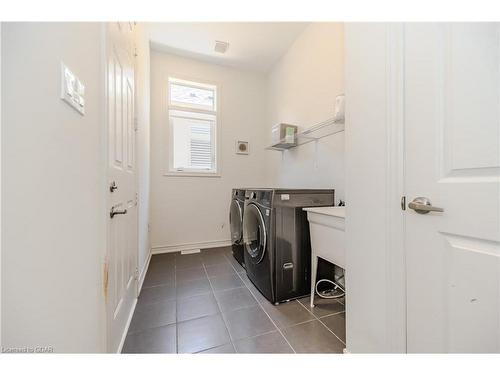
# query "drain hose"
(335, 287)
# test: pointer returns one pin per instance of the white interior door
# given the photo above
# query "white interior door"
(452, 86)
(122, 227)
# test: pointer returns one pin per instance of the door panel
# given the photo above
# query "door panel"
(122, 228)
(471, 80)
(452, 87)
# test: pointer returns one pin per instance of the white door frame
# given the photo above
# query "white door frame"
(395, 223)
(375, 270)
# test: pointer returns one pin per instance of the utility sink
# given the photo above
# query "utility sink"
(327, 227)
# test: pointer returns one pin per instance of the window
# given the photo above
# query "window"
(192, 112)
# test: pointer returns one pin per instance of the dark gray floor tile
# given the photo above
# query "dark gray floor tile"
(217, 250)
(156, 294)
(223, 349)
(288, 313)
(152, 315)
(212, 250)
(201, 334)
(312, 337)
(187, 274)
(322, 306)
(159, 277)
(154, 340)
(233, 299)
(193, 288)
(226, 282)
(336, 323)
(161, 267)
(237, 267)
(188, 261)
(268, 343)
(220, 270)
(256, 293)
(248, 322)
(166, 257)
(244, 277)
(196, 307)
(214, 259)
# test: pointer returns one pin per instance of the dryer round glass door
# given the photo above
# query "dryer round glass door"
(236, 221)
(254, 233)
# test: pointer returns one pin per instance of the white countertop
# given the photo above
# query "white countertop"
(338, 211)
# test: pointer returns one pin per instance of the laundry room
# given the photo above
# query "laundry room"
(250, 187)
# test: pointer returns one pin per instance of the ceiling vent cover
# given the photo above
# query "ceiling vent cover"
(221, 47)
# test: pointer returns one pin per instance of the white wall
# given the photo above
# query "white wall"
(52, 189)
(143, 143)
(302, 87)
(374, 251)
(195, 210)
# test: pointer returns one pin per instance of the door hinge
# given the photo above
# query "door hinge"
(403, 203)
(136, 124)
(136, 273)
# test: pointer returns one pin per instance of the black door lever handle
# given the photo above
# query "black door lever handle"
(112, 213)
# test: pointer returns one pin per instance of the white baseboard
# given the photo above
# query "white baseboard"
(189, 246)
(142, 275)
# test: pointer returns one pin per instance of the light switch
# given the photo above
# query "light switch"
(72, 89)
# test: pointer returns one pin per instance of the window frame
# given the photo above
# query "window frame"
(215, 139)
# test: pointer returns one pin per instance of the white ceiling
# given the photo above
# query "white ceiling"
(252, 45)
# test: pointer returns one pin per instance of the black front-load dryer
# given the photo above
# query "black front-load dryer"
(276, 240)
(236, 224)
(257, 241)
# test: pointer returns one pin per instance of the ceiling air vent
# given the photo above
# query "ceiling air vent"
(221, 47)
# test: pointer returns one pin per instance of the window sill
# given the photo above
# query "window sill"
(191, 174)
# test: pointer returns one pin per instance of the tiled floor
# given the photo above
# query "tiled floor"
(204, 303)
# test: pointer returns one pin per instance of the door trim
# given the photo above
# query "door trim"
(105, 111)
(395, 219)
(104, 174)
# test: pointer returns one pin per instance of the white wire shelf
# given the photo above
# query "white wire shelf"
(314, 133)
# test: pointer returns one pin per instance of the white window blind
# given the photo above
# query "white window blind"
(200, 147)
